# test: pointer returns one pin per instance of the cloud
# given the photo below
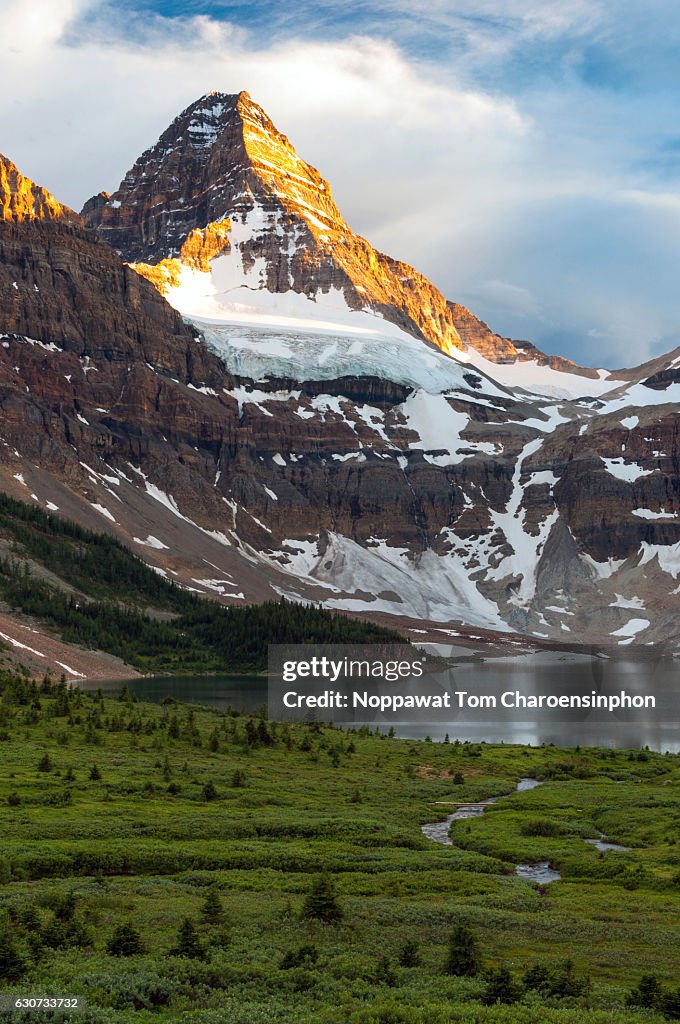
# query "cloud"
(664, 202)
(511, 297)
(33, 28)
(603, 273)
(492, 26)
(378, 125)
(503, 25)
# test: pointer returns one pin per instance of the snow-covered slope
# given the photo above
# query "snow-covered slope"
(222, 177)
(541, 379)
(318, 350)
(282, 331)
(294, 335)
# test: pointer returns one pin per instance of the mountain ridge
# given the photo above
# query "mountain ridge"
(237, 160)
(22, 200)
(287, 466)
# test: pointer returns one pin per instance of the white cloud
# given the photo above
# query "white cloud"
(33, 28)
(549, 18)
(507, 18)
(364, 79)
(91, 93)
(664, 202)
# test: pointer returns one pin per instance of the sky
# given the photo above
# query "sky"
(523, 154)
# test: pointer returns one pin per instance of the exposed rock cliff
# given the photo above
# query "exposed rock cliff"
(478, 335)
(61, 285)
(223, 179)
(22, 200)
(328, 471)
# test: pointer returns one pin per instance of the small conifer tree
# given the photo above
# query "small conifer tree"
(501, 987)
(212, 910)
(125, 941)
(209, 792)
(647, 994)
(12, 963)
(321, 903)
(409, 955)
(463, 957)
(188, 943)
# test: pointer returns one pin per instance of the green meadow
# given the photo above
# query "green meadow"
(175, 863)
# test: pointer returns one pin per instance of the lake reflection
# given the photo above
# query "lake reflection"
(244, 693)
(550, 673)
(543, 672)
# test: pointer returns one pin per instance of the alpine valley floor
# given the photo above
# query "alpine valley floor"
(122, 821)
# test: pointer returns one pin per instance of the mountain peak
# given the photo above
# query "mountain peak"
(220, 156)
(223, 182)
(22, 200)
(224, 97)
(201, 124)
(215, 102)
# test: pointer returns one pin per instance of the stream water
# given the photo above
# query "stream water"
(247, 694)
(603, 844)
(438, 832)
(540, 872)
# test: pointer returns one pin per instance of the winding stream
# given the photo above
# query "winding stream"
(438, 832)
(541, 872)
(603, 844)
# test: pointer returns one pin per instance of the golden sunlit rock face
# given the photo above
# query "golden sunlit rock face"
(21, 199)
(61, 284)
(223, 164)
(199, 248)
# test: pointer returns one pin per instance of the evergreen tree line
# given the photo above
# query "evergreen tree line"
(201, 636)
(95, 563)
(30, 934)
(551, 980)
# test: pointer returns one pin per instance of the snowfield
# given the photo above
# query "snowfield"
(494, 580)
(320, 337)
(303, 351)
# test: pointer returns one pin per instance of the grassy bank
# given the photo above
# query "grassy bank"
(117, 813)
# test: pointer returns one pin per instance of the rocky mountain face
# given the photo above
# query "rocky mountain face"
(360, 467)
(477, 335)
(61, 285)
(223, 179)
(22, 200)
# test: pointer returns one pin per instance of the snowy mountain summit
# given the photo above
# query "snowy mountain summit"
(233, 227)
(222, 206)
